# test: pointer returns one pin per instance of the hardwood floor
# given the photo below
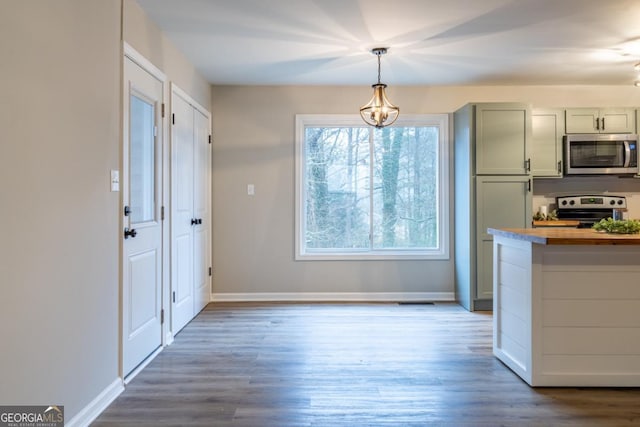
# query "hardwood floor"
(349, 365)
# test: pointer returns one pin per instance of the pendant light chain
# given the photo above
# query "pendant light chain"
(379, 54)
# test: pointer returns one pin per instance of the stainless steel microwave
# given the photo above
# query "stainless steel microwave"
(601, 154)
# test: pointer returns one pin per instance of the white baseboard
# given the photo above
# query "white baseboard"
(141, 366)
(333, 297)
(90, 412)
(168, 338)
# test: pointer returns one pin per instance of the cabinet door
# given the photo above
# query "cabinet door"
(547, 129)
(617, 120)
(582, 120)
(503, 133)
(604, 120)
(502, 201)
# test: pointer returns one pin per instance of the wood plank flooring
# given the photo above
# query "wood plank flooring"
(349, 365)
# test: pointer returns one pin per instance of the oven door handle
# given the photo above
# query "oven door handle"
(627, 154)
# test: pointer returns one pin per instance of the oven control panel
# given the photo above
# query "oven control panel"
(591, 202)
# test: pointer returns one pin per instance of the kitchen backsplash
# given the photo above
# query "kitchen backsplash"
(545, 191)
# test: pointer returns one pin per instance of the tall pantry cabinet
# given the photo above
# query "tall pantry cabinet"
(492, 189)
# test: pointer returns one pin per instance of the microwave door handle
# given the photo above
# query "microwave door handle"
(627, 154)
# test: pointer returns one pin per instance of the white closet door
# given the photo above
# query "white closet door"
(201, 191)
(190, 207)
(182, 226)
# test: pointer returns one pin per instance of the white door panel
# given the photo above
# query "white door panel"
(182, 150)
(190, 237)
(201, 270)
(141, 192)
(202, 190)
(143, 284)
(182, 273)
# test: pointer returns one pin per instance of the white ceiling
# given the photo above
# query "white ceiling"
(431, 42)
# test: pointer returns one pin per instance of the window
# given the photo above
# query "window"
(367, 193)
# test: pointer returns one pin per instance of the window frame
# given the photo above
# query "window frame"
(302, 121)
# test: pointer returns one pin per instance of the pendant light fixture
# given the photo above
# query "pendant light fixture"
(379, 112)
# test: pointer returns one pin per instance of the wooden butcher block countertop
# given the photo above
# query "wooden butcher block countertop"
(558, 223)
(566, 236)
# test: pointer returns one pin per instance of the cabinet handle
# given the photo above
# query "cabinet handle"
(529, 186)
(527, 165)
(603, 123)
(560, 167)
(597, 123)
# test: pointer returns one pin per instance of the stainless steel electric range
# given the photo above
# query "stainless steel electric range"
(589, 209)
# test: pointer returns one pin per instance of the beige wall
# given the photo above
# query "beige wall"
(59, 121)
(145, 37)
(253, 237)
(253, 128)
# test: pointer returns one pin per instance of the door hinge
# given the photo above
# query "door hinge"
(174, 296)
(209, 139)
(162, 213)
(162, 316)
(210, 272)
(173, 118)
(162, 110)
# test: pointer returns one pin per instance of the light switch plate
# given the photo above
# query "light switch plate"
(115, 180)
(251, 190)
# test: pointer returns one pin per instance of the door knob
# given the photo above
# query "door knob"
(194, 221)
(131, 233)
(199, 220)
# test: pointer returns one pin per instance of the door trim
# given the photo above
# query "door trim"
(135, 56)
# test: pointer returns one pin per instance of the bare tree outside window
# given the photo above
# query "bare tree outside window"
(368, 190)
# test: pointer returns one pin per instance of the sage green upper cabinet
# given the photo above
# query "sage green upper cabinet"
(547, 129)
(601, 120)
(503, 132)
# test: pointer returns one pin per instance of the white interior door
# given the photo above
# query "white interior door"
(142, 239)
(190, 209)
(202, 189)
(182, 218)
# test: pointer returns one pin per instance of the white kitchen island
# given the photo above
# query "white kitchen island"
(566, 308)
